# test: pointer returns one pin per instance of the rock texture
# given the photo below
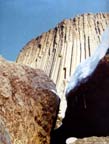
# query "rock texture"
(92, 140)
(4, 134)
(28, 103)
(61, 49)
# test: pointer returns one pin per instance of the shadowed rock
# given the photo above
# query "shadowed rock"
(28, 103)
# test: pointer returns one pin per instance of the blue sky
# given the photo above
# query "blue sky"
(22, 20)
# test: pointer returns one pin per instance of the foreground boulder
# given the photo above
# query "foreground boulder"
(28, 103)
(87, 97)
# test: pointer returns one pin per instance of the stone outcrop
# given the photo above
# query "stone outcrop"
(92, 140)
(87, 97)
(58, 51)
(28, 103)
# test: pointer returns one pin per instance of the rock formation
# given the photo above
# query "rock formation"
(58, 51)
(28, 103)
(87, 97)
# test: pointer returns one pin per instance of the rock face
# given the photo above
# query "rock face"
(61, 49)
(28, 103)
(92, 140)
(87, 111)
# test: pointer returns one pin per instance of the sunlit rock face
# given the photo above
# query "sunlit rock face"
(59, 51)
(28, 104)
(87, 97)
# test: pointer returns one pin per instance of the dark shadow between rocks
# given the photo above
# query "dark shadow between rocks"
(87, 113)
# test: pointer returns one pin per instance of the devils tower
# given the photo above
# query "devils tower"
(58, 51)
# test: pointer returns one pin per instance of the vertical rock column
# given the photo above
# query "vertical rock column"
(58, 51)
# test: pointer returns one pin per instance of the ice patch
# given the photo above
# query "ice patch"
(85, 68)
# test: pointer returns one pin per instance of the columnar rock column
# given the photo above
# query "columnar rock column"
(58, 51)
